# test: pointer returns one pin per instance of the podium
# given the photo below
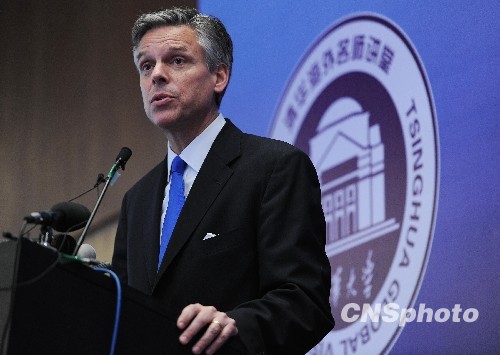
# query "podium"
(70, 309)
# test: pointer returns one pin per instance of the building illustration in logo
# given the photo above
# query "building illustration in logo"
(349, 156)
(360, 106)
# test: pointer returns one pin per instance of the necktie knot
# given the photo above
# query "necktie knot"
(178, 165)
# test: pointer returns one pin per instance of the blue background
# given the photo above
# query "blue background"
(458, 42)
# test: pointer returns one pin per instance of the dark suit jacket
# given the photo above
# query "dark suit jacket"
(266, 267)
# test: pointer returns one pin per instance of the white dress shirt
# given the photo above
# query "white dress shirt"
(194, 155)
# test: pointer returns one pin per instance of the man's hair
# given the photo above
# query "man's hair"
(210, 33)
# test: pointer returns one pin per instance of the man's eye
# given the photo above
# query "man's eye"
(178, 60)
(146, 67)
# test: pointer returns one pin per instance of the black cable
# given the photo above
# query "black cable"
(47, 270)
(23, 233)
(83, 193)
(50, 267)
(42, 274)
(15, 285)
(13, 288)
(34, 279)
(65, 234)
(100, 180)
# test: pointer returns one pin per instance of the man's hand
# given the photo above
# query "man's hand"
(195, 317)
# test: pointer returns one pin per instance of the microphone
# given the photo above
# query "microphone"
(87, 255)
(123, 157)
(120, 161)
(86, 251)
(63, 217)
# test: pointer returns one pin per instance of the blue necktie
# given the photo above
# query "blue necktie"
(175, 203)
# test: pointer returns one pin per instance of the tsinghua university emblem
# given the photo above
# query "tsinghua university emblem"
(360, 104)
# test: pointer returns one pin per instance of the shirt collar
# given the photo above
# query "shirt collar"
(195, 153)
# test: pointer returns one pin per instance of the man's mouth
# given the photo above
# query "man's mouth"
(160, 99)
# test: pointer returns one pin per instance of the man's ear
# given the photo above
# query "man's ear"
(221, 78)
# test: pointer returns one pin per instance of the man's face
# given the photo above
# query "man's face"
(177, 87)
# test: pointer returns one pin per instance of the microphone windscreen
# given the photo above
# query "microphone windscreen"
(86, 251)
(69, 216)
(124, 155)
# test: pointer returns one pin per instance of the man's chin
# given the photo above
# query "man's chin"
(164, 122)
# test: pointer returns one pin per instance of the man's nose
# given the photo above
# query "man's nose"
(159, 74)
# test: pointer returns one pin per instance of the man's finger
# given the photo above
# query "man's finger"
(199, 317)
(187, 315)
(213, 331)
(228, 331)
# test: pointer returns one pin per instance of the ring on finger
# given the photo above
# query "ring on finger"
(215, 321)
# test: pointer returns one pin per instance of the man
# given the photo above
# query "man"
(244, 259)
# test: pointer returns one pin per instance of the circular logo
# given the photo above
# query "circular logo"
(359, 103)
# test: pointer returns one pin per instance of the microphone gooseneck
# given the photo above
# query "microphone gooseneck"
(120, 161)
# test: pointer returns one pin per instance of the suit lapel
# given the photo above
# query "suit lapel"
(211, 179)
(151, 208)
